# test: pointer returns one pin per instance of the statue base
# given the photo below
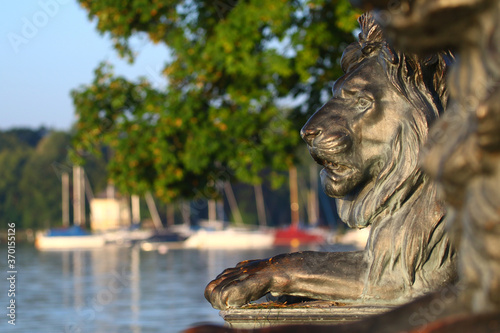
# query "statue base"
(315, 312)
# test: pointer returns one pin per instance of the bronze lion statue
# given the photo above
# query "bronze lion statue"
(368, 138)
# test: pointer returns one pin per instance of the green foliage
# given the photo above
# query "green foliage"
(40, 183)
(12, 162)
(234, 66)
(21, 138)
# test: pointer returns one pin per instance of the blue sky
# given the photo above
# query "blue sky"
(48, 48)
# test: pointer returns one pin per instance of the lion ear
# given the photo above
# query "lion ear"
(433, 75)
(370, 30)
(444, 60)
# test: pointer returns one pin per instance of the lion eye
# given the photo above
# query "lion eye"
(364, 103)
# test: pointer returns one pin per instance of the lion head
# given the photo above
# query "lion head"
(368, 136)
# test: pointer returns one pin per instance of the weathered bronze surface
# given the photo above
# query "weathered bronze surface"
(368, 137)
(462, 154)
(463, 148)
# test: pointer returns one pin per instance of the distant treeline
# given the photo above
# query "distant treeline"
(31, 164)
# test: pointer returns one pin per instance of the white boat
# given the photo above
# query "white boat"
(77, 238)
(230, 239)
(44, 241)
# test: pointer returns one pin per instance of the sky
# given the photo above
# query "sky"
(47, 49)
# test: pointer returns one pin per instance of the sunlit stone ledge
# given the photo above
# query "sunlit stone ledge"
(317, 312)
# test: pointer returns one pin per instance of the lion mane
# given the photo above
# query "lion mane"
(403, 207)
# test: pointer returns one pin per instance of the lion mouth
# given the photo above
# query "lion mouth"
(332, 167)
(336, 170)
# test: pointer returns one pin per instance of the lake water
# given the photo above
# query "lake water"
(115, 289)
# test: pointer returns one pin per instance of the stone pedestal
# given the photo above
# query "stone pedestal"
(317, 312)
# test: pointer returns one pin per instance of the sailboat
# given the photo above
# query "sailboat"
(213, 233)
(294, 235)
(111, 220)
(70, 238)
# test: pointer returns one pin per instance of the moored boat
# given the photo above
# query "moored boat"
(295, 236)
(68, 239)
(231, 238)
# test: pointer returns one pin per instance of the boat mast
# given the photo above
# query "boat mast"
(65, 199)
(78, 196)
(233, 204)
(150, 201)
(136, 209)
(294, 196)
(261, 208)
(313, 211)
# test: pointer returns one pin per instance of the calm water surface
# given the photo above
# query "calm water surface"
(115, 289)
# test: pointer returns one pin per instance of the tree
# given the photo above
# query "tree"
(40, 182)
(21, 138)
(12, 162)
(234, 65)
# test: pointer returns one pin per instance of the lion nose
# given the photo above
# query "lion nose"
(309, 134)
